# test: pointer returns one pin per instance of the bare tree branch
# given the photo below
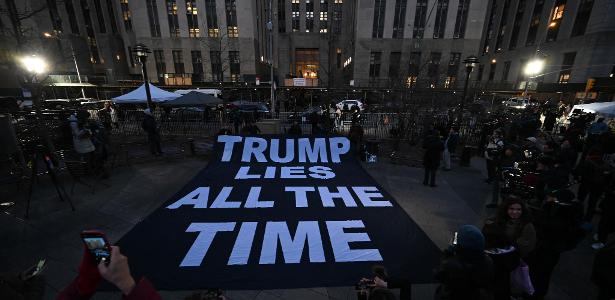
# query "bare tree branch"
(30, 14)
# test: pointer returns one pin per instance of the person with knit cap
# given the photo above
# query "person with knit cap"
(151, 128)
(465, 271)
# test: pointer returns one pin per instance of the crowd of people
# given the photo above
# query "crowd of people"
(548, 185)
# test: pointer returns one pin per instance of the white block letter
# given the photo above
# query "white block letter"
(253, 202)
(340, 240)
(274, 151)
(243, 173)
(229, 141)
(292, 249)
(292, 172)
(319, 149)
(197, 198)
(300, 194)
(321, 172)
(343, 193)
(339, 146)
(221, 202)
(243, 244)
(254, 146)
(366, 193)
(207, 232)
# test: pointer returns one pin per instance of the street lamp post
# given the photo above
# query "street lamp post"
(72, 52)
(141, 52)
(270, 28)
(470, 62)
(531, 70)
(34, 65)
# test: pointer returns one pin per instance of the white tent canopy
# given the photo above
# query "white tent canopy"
(214, 92)
(139, 96)
(606, 109)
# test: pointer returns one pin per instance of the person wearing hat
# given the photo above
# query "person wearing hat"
(151, 128)
(465, 271)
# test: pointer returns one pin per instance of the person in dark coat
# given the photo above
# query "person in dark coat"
(568, 155)
(556, 224)
(603, 270)
(431, 159)
(606, 225)
(151, 128)
(594, 175)
(505, 258)
(465, 272)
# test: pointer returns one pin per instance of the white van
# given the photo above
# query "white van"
(349, 104)
(517, 102)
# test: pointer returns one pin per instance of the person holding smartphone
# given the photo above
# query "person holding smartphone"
(113, 268)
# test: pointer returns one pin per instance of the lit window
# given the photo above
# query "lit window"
(233, 31)
(411, 81)
(558, 12)
(449, 82)
(309, 15)
(338, 1)
(323, 30)
(194, 32)
(213, 32)
(564, 78)
(295, 1)
(323, 16)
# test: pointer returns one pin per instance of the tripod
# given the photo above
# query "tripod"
(40, 154)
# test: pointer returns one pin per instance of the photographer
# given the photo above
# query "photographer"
(465, 272)
(116, 272)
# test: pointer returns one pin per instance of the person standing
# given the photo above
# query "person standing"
(82, 141)
(504, 255)
(594, 176)
(606, 225)
(433, 147)
(466, 271)
(450, 146)
(557, 223)
(603, 270)
(108, 116)
(151, 128)
(492, 153)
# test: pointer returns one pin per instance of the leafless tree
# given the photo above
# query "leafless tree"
(220, 48)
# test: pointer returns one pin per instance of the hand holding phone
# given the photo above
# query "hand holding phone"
(117, 271)
(98, 246)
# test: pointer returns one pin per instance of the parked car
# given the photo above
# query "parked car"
(350, 104)
(304, 116)
(517, 102)
(252, 107)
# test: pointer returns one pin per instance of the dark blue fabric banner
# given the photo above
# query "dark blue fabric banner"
(278, 212)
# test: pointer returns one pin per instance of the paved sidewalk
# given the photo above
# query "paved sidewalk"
(138, 189)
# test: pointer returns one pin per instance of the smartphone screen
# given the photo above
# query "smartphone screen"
(97, 245)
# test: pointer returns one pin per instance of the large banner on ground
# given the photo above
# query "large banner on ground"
(278, 212)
